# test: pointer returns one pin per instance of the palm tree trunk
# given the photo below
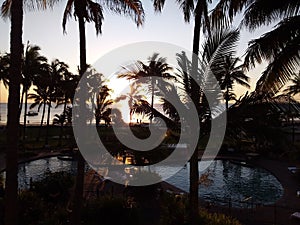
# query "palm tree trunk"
(227, 98)
(195, 95)
(47, 127)
(62, 124)
(25, 114)
(42, 121)
(152, 98)
(78, 196)
(21, 102)
(11, 183)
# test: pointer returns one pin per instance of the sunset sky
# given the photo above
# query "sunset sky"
(43, 28)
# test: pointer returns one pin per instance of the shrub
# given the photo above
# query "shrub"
(54, 187)
(217, 219)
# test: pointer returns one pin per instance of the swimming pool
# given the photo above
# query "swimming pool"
(224, 181)
(229, 182)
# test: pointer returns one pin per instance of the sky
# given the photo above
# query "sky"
(43, 28)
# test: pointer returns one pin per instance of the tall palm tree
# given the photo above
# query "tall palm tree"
(11, 193)
(156, 67)
(132, 96)
(57, 70)
(89, 11)
(198, 9)
(232, 74)
(14, 10)
(65, 94)
(103, 102)
(32, 66)
(219, 45)
(40, 98)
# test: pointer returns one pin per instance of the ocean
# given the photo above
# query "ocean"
(31, 120)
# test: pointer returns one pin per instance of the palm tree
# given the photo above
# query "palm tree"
(89, 11)
(132, 96)
(65, 92)
(40, 98)
(14, 10)
(156, 67)
(200, 13)
(232, 73)
(102, 110)
(57, 70)
(32, 66)
(219, 45)
(11, 193)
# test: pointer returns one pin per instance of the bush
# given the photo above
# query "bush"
(54, 187)
(174, 211)
(216, 219)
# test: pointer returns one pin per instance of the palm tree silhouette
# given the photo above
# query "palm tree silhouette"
(232, 73)
(14, 10)
(89, 11)
(102, 111)
(48, 89)
(65, 93)
(40, 98)
(33, 64)
(132, 96)
(156, 67)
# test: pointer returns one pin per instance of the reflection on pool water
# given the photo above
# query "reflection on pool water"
(229, 182)
(235, 183)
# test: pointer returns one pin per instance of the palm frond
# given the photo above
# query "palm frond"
(264, 12)
(187, 7)
(224, 12)
(5, 9)
(280, 70)
(67, 13)
(95, 14)
(158, 5)
(130, 8)
(270, 44)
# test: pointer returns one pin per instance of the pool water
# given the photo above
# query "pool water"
(226, 182)
(222, 182)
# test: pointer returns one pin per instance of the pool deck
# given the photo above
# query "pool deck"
(279, 213)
